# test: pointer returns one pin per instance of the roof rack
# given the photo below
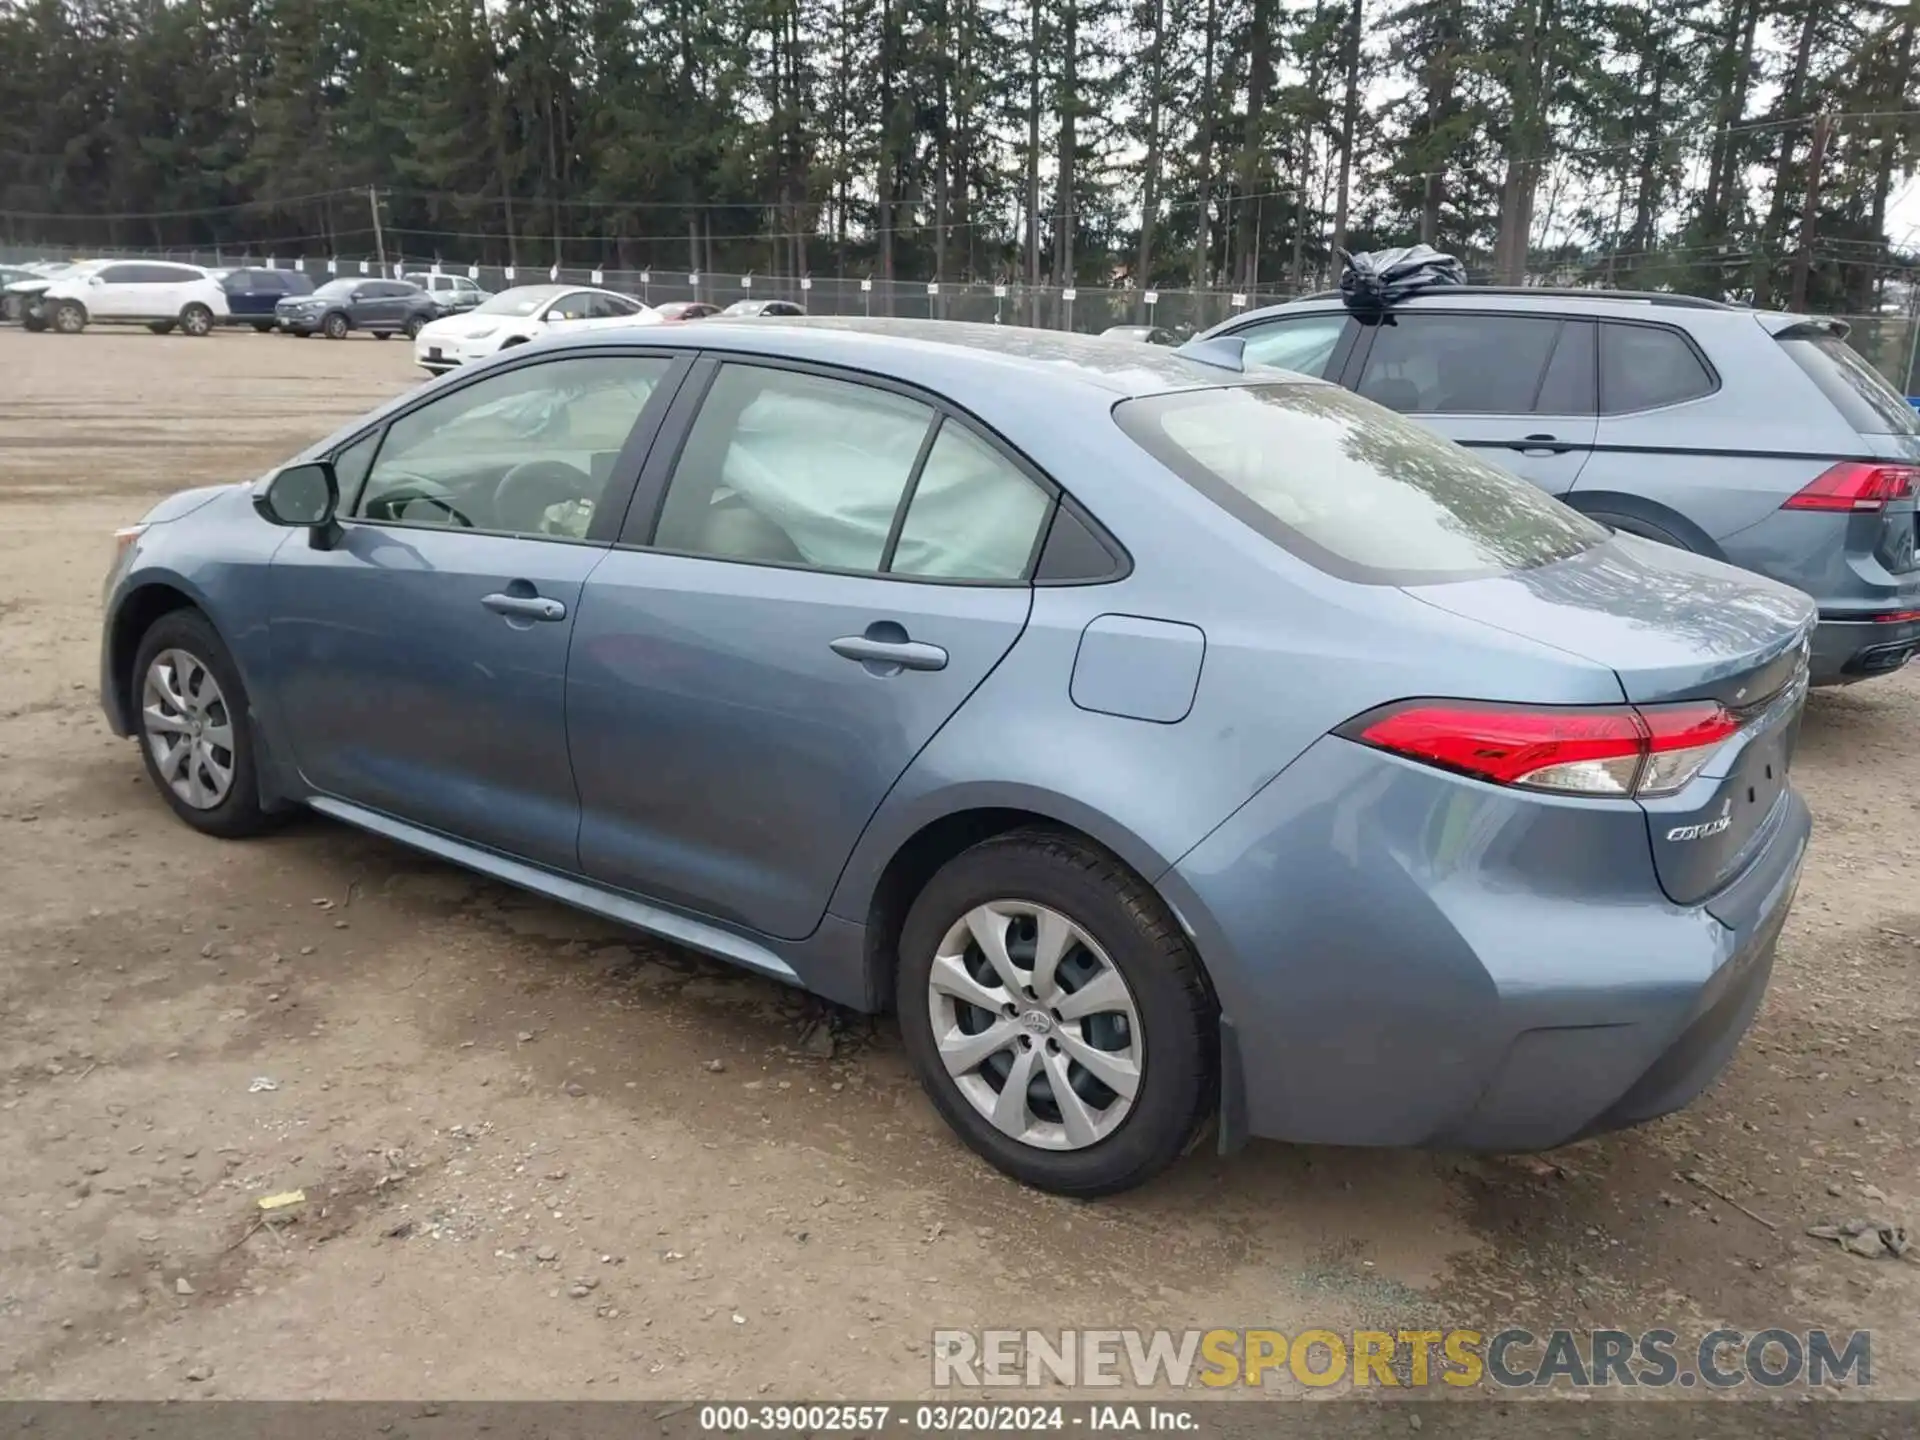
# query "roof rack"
(1575, 292)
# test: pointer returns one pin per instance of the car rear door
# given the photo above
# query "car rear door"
(1516, 389)
(420, 659)
(834, 567)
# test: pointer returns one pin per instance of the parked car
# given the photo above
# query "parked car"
(23, 301)
(1754, 437)
(159, 294)
(253, 295)
(11, 306)
(516, 316)
(339, 307)
(1146, 334)
(450, 293)
(773, 309)
(678, 310)
(1156, 740)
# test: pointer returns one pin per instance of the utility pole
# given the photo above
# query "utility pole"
(1809, 210)
(379, 236)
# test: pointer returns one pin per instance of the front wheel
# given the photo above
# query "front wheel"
(197, 321)
(1056, 1015)
(33, 324)
(193, 726)
(161, 327)
(69, 318)
(335, 326)
(382, 334)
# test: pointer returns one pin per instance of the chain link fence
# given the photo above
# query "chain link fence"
(1888, 341)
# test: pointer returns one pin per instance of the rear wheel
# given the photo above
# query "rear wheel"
(193, 726)
(196, 320)
(335, 326)
(69, 318)
(1056, 1015)
(413, 326)
(382, 334)
(264, 327)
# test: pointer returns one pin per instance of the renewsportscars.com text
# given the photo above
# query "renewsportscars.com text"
(1512, 1358)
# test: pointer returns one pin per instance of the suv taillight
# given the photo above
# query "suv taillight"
(1855, 485)
(1618, 750)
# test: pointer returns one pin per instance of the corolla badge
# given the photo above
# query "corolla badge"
(1705, 827)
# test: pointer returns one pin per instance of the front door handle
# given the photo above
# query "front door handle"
(525, 607)
(887, 657)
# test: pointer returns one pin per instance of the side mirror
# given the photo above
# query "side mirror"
(302, 497)
(96, 280)
(555, 314)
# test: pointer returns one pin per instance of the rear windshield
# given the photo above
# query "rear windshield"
(1857, 390)
(1351, 487)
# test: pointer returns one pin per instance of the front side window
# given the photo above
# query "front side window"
(1352, 489)
(121, 275)
(1301, 343)
(1437, 364)
(527, 452)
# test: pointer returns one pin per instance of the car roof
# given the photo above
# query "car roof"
(1532, 299)
(942, 353)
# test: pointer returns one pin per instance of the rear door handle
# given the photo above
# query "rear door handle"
(525, 607)
(1539, 445)
(884, 656)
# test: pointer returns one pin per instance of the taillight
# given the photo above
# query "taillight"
(1617, 750)
(1855, 485)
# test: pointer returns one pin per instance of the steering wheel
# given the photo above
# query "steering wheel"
(531, 488)
(391, 503)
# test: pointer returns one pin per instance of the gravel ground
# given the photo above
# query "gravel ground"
(545, 1158)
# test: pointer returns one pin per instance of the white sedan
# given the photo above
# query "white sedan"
(516, 316)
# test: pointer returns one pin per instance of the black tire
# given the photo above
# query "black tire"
(161, 327)
(382, 334)
(239, 813)
(413, 326)
(335, 326)
(69, 317)
(196, 320)
(33, 324)
(1179, 1081)
(263, 327)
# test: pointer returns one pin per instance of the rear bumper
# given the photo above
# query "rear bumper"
(1847, 649)
(1405, 958)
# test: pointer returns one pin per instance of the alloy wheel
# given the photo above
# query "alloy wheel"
(1035, 1025)
(188, 728)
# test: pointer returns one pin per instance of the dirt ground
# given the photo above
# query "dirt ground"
(527, 1177)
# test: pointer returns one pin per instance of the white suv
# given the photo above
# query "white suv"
(157, 293)
(450, 292)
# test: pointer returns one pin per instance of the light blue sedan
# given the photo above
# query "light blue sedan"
(1163, 738)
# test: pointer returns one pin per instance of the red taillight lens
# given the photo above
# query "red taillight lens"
(1856, 485)
(1618, 750)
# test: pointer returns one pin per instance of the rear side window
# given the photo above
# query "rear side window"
(1869, 403)
(1352, 489)
(1643, 367)
(1458, 364)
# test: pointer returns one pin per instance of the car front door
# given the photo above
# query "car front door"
(834, 567)
(422, 656)
(115, 292)
(1517, 390)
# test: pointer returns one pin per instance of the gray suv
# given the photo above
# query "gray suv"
(1755, 437)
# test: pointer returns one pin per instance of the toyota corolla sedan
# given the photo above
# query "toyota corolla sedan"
(1161, 737)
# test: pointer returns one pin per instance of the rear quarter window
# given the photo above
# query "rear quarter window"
(1352, 488)
(1857, 390)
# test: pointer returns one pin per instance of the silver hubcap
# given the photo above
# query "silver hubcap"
(189, 728)
(195, 323)
(1035, 1025)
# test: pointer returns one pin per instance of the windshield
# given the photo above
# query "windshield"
(1352, 488)
(518, 302)
(335, 287)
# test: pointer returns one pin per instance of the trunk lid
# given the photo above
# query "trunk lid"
(1674, 627)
